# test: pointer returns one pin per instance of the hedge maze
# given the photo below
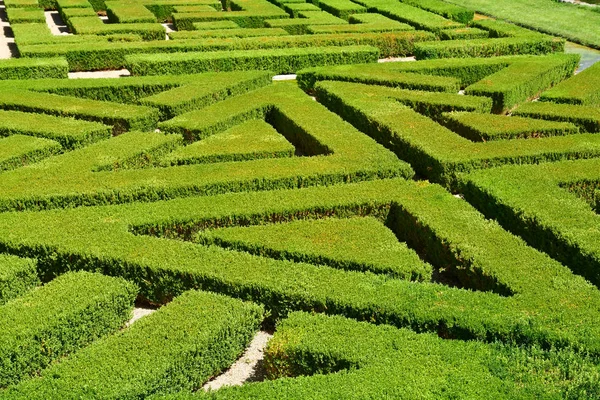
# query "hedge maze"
(424, 227)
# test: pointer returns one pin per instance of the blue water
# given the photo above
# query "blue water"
(588, 56)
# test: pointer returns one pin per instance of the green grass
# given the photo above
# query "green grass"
(578, 24)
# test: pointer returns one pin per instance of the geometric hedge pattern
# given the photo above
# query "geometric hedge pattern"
(423, 229)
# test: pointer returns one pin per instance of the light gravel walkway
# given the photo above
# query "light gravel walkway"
(248, 368)
(56, 24)
(8, 48)
(99, 74)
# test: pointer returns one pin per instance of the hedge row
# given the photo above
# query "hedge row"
(245, 13)
(417, 17)
(180, 346)
(549, 305)
(122, 117)
(26, 68)
(276, 60)
(38, 34)
(294, 8)
(82, 57)
(70, 179)
(337, 358)
(341, 8)
(18, 150)
(433, 150)
(463, 34)
(362, 23)
(122, 12)
(524, 80)
(587, 118)
(484, 127)
(95, 26)
(501, 29)
(26, 15)
(59, 318)
(349, 245)
(534, 44)
(251, 140)
(434, 75)
(70, 133)
(541, 204)
(17, 276)
(582, 89)
(446, 10)
(228, 32)
(298, 26)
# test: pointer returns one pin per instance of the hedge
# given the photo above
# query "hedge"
(348, 245)
(251, 140)
(433, 150)
(298, 26)
(70, 133)
(362, 23)
(26, 15)
(122, 12)
(582, 89)
(463, 34)
(549, 305)
(82, 57)
(228, 32)
(215, 25)
(122, 117)
(337, 358)
(70, 179)
(294, 8)
(545, 205)
(17, 276)
(587, 118)
(95, 26)
(535, 44)
(446, 10)
(485, 127)
(180, 346)
(18, 150)
(24, 68)
(501, 29)
(59, 318)
(38, 34)
(276, 60)
(524, 80)
(420, 19)
(341, 8)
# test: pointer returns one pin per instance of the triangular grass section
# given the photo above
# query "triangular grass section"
(358, 243)
(249, 140)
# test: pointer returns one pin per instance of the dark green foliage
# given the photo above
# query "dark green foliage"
(276, 60)
(17, 276)
(586, 117)
(582, 89)
(180, 346)
(24, 68)
(484, 127)
(70, 133)
(59, 318)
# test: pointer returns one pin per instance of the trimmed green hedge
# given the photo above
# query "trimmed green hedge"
(484, 127)
(341, 8)
(298, 26)
(582, 89)
(337, 358)
(463, 33)
(83, 57)
(549, 305)
(125, 12)
(446, 10)
(18, 150)
(180, 346)
(524, 80)
(276, 60)
(228, 32)
(27, 68)
(546, 205)
(17, 276)
(362, 23)
(26, 15)
(251, 140)
(59, 318)
(587, 118)
(534, 44)
(70, 133)
(122, 117)
(348, 245)
(95, 26)
(433, 150)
